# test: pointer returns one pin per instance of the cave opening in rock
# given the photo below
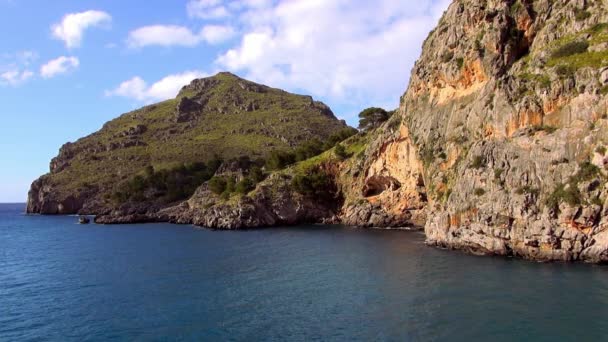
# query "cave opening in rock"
(376, 185)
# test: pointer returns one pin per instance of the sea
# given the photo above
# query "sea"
(61, 281)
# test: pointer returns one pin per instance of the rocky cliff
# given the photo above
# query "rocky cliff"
(500, 143)
(499, 146)
(223, 116)
(507, 112)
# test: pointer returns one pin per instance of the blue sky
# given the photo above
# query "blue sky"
(67, 67)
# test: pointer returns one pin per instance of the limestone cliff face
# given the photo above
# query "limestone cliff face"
(387, 188)
(507, 114)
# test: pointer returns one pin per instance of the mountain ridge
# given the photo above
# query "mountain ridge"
(220, 115)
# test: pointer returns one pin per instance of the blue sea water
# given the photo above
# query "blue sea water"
(61, 281)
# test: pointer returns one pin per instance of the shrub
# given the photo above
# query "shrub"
(149, 171)
(314, 184)
(516, 7)
(460, 62)
(308, 150)
(586, 172)
(601, 150)
(394, 123)
(479, 192)
(215, 163)
(120, 197)
(564, 70)
(338, 137)
(256, 174)
(580, 14)
(562, 193)
(278, 160)
(171, 185)
(340, 152)
(498, 173)
(217, 185)
(447, 56)
(478, 162)
(230, 185)
(572, 48)
(245, 186)
(599, 28)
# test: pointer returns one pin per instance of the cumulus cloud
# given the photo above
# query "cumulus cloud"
(172, 35)
(72, 27)
(166, 88)
(15, 77)
(15, 67)
(59, 66)
(215, 34)
(350, 51)
(163, 35)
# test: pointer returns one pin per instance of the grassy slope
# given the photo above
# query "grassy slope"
(279, 121)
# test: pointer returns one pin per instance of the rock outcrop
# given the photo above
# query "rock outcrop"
(274, 202)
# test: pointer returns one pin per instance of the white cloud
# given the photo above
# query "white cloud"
(15, 77)
(59, 66)
(358, 52)
(167, 88)
(171, 35)
(215, 34)
(162, 35)
(15, 67)
(207, 9)
(72, 26)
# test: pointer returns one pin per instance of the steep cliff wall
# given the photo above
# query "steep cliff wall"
(507, 109)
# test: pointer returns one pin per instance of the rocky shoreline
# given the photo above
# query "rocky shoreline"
(499, 147)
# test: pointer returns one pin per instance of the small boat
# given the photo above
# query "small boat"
(84, 220)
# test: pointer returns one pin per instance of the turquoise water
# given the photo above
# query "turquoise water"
(62, 281)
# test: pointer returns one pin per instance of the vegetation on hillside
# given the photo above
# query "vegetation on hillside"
(315, 184)
(221, 115)
(280, 159)
(180, 182)
(569, 193)
(574, 52)
(167, 185)
(372, 118)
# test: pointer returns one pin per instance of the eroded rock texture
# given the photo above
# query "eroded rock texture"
(507, 110)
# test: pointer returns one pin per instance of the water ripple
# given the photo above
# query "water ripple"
(60, 281)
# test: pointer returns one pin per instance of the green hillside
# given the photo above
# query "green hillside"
(221, 116)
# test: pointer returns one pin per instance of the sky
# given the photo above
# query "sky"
(69, 66)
